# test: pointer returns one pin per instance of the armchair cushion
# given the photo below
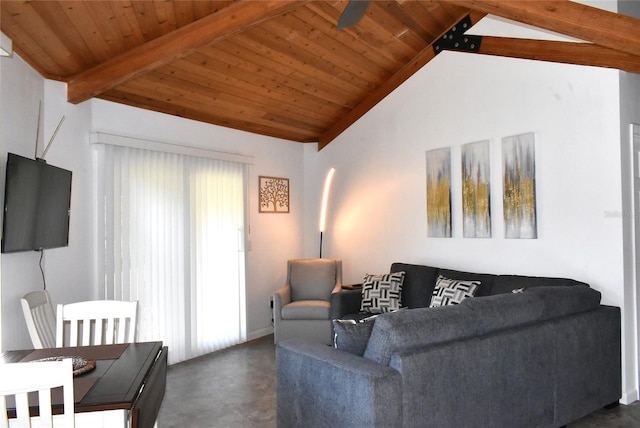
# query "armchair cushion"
(312, 279)
(306, 310)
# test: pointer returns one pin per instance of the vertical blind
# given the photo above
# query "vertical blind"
(173, 230)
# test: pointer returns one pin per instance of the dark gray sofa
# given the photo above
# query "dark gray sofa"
(543, 357)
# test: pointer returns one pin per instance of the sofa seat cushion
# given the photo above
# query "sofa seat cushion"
(359, 316)
(306, 310)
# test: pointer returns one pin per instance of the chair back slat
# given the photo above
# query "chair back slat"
(40, 318)
(44, 402)
(19, 379)
(98, 322)
(22, 407)
(110, 327)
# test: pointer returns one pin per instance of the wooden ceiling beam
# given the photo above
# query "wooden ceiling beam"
(562, 52)
(173, 46)
(602, 27)
(408, 70)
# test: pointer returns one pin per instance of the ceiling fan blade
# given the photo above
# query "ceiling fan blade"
(353, 13)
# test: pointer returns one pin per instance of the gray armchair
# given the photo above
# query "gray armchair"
(301, 308)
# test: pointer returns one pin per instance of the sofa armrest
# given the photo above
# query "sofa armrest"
(281, 297)
(320, 386)
(345, 302)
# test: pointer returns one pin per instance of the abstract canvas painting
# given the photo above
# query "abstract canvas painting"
(476, 190)
(439, 193)
(519, 186)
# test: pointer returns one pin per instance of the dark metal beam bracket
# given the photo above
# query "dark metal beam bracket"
(456, 40)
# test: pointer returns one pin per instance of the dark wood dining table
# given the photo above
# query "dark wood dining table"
(125, 389)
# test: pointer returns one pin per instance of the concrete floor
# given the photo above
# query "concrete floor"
(235, 388)
(231, 388)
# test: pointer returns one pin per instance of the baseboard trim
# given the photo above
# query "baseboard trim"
(629, 397)
(259, 333)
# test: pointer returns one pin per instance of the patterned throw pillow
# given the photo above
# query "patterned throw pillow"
(382, 293)
(352, 336)
(452, 291)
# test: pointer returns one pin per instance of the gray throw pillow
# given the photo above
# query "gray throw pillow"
(352, 336)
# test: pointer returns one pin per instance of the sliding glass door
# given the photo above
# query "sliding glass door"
(173, 233)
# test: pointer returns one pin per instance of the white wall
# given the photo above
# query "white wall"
(67, 271)
(378, 199)
(630, 114)
(18, 124)
(377, 212)
(70, 271)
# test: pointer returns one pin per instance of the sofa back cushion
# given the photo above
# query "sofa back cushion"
(410, 328)
(564, 300)
(508, 283)
(417, 328)
(504, 310)
(486, 279)
(418, 285)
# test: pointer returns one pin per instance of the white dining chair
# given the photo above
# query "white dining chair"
(19, 379)
(96, 322)
(40, 318)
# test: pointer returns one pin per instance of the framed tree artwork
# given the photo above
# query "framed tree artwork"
(274, 194)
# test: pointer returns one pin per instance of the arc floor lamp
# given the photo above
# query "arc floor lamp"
(325, 199)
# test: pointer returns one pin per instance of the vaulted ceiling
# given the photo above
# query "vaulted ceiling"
(281, 68)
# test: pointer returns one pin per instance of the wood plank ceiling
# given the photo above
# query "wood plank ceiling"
(281, 68)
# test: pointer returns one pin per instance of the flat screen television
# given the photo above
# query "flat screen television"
(37, 203)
